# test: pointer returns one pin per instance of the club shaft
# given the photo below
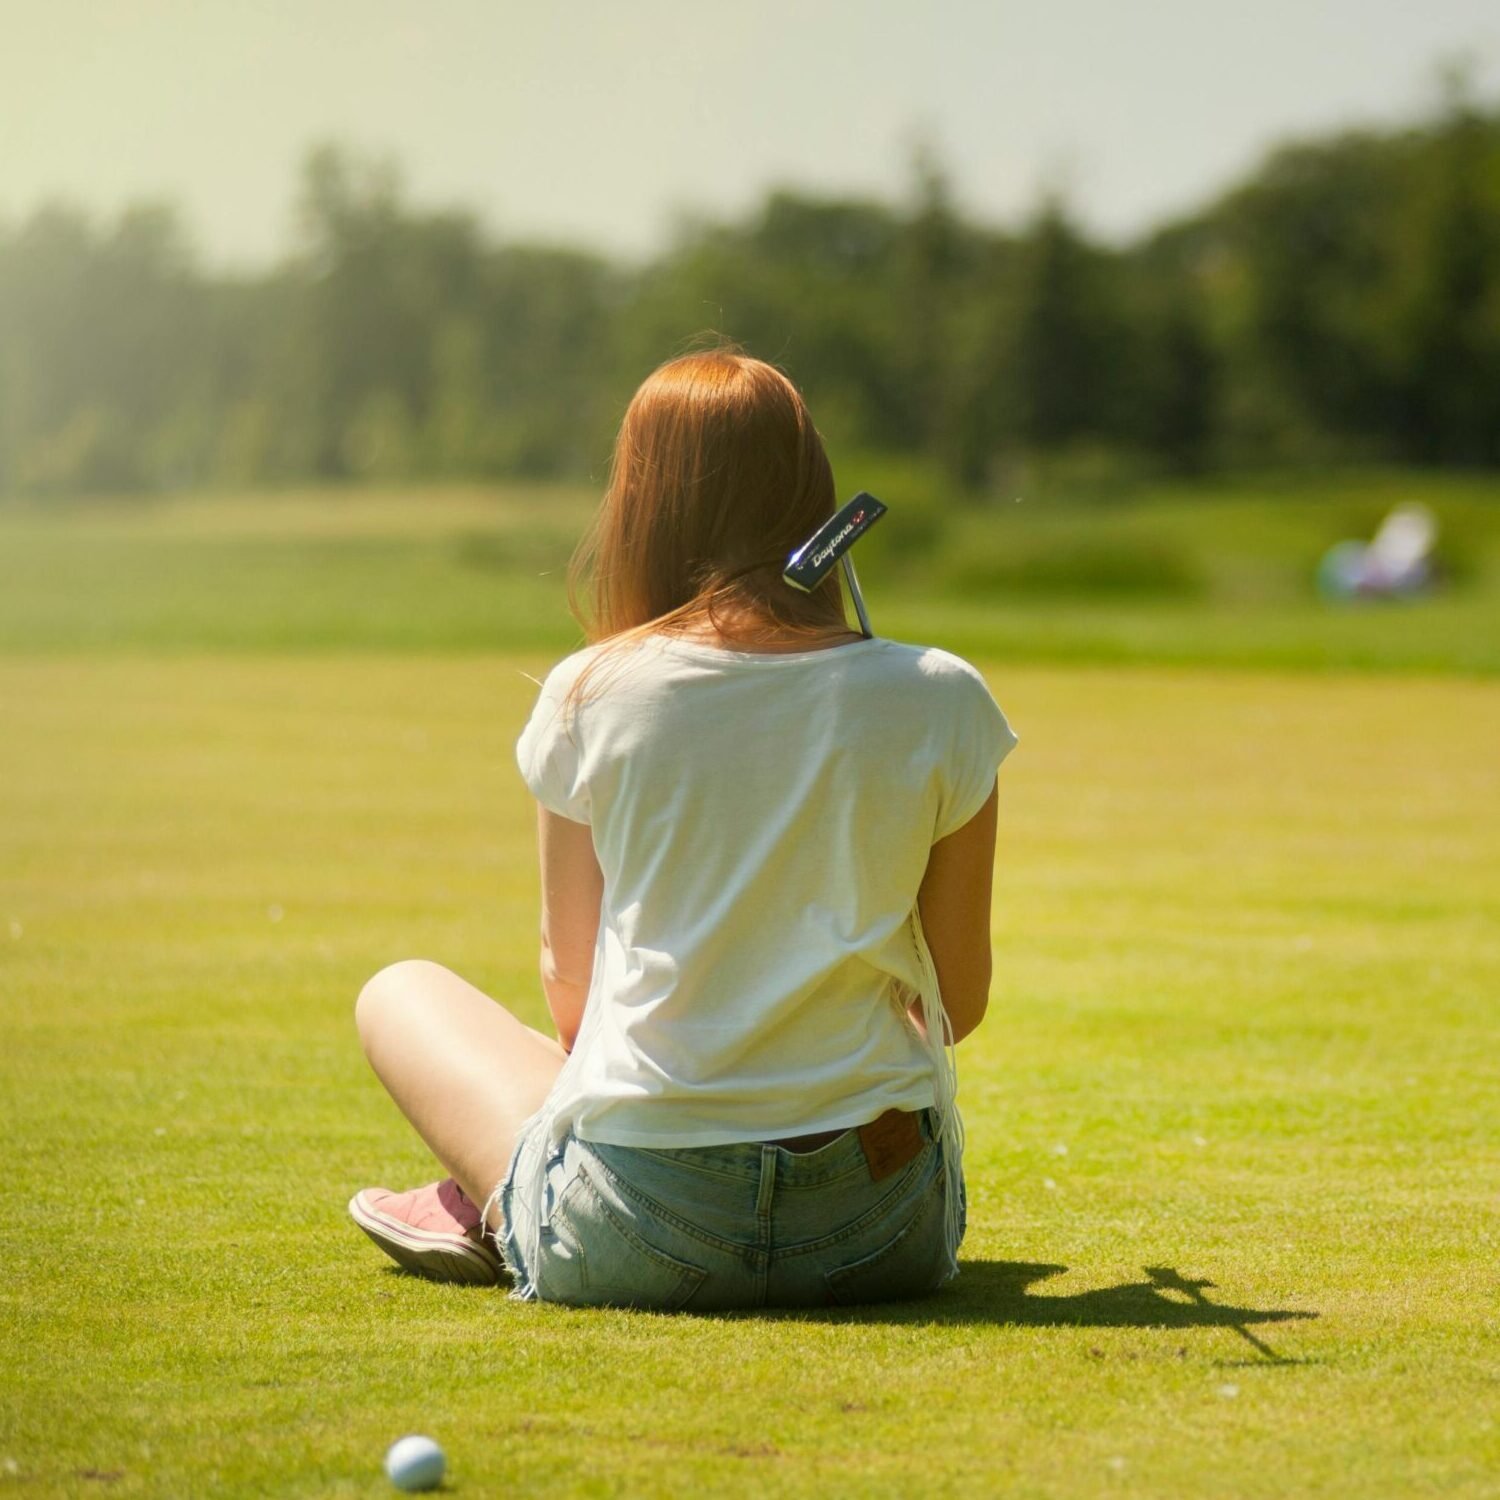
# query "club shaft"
(859, 601)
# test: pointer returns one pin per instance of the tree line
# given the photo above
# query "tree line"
(1340, 304)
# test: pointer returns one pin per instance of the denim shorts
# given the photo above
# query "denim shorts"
(706, 1228)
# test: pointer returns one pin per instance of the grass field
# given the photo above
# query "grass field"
(1219, 576)
(1234, 1118)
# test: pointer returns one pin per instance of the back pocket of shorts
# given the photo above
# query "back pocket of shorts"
(594, 1259)
(910, 1264)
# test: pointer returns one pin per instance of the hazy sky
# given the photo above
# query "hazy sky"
(591, 123)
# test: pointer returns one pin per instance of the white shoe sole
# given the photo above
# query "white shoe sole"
(439, 1257)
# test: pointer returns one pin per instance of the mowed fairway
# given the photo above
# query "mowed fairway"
(1234, 1135)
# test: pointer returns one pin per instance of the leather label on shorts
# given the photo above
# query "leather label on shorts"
(890, 1142)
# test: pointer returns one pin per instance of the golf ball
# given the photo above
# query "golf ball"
(415, 1463)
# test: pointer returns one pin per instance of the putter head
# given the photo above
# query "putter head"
(816, 558)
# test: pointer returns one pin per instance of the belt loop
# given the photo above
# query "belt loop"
(767, 1181)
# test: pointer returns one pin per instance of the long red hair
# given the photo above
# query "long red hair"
(718, 475)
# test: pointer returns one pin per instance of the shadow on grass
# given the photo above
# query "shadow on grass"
(1000, 1292)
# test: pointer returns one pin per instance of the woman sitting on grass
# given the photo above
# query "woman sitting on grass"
(766, 847)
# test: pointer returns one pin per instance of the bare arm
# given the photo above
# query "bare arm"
(572, 889)
(954, 903)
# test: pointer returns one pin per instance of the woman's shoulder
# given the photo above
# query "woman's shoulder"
(598, 671)
(574, 662)
(932, 663)
(565, 672)
(952, 689)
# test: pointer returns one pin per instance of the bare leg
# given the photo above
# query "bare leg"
(460, 1067)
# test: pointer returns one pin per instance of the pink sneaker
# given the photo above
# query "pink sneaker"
(433, 1230)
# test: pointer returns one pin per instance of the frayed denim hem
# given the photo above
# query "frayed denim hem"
(523, 1289)
(505, 1239)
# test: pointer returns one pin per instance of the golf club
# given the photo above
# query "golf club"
(809, 565)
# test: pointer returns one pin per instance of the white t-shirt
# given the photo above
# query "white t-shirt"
(763, 823)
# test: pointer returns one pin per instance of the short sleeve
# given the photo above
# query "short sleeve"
(549, 752)
(980, 739)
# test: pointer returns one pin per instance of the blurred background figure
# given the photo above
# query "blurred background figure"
(1397, 563)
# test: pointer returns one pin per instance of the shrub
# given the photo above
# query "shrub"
(1081, 564)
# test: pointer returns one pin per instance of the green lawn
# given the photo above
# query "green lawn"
(1233, 1120)
(1234, 1131)
(471, 569)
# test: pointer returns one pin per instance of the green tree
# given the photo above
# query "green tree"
(1449, 408)
(1070, 330)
